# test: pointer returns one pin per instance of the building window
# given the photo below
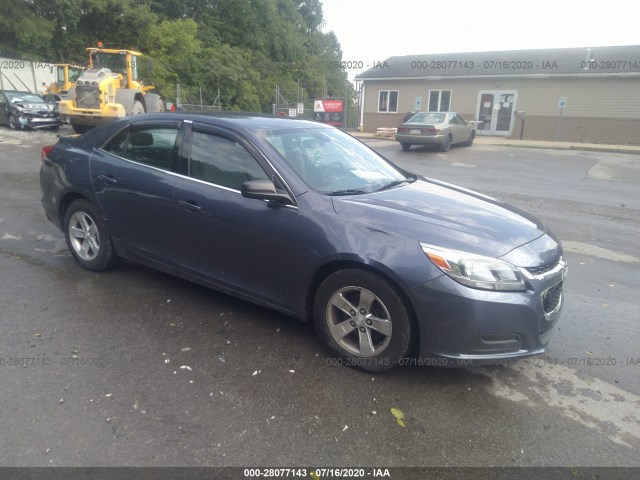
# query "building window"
(388, 101)
(439, 100)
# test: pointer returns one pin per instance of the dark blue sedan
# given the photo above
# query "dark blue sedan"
(392, 268)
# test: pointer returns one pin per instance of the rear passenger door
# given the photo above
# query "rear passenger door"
(240, 243)
(133, 176)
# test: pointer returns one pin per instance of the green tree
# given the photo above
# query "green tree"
(243, 48)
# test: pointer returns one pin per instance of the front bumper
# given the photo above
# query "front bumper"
(91, 116)
(462, 326)
(36, 122)
(421, 139)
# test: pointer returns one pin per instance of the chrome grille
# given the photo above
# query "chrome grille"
(542, 269)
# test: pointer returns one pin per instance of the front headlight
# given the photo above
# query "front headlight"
(476, 271)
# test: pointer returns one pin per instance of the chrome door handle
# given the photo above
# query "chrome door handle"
(107, 178)
(189, 205)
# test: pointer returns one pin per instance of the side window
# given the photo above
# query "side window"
(221, 161)
(153, 146)
(118, 143)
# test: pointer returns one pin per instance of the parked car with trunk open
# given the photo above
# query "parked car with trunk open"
(305, 219)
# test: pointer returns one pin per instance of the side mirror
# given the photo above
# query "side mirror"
(263, 190)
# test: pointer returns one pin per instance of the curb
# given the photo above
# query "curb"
(606, 149)
(631, 151)
(543, 146)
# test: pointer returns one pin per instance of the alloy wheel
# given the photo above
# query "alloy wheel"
(359, 321)
(84, 236)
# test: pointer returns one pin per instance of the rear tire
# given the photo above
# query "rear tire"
(88, 237)
(363, 320)
(446, 145)
(405, 146)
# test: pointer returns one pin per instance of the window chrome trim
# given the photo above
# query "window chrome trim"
(179, 175)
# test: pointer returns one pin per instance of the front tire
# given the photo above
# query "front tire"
(363, 320)
(405, 146)
(138, 108)
(88, 237)
(469, 142)
(14, 123)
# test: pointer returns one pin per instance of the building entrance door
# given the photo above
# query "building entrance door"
(495, 112)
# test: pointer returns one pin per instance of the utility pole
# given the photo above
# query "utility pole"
(346, 105)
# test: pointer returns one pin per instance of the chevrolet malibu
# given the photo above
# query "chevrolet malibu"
(392, 267)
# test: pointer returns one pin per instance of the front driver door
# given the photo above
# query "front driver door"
(244, 244)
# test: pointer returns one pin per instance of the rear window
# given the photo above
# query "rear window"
(427, 118)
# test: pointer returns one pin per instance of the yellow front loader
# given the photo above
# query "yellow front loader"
(66, 76)
(109, 89)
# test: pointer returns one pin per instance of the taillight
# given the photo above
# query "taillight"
(45, 152)
(430, 130)
(403, 129)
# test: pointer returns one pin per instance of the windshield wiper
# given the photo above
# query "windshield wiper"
(396, 183)
(351, 191)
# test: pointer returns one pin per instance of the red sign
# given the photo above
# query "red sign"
(328, 106)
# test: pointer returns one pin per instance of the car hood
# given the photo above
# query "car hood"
(34, 107)
(445, 215)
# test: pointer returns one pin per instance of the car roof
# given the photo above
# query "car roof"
(242, 121)
(444, 113)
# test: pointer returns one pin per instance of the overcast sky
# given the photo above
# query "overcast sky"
(374, 30)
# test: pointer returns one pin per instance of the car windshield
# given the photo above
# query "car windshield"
(332, 162)
(23, 97)
(427, 118)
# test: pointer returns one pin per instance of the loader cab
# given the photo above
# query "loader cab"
(124, 62)
(67, 75)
